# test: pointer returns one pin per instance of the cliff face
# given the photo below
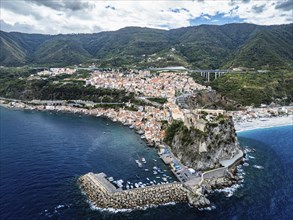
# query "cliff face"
(204, 149)
(211, 100)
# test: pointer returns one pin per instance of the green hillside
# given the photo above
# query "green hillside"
(256, 89)
(199, 47)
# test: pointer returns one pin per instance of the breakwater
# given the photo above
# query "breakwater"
(105, 195)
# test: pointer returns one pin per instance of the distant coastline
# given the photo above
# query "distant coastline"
(267, 123)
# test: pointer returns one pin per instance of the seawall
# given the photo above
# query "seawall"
(104, 195)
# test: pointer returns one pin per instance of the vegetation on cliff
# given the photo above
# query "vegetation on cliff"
(256, 88)
(203, 150)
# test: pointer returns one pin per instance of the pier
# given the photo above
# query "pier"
(105, 195)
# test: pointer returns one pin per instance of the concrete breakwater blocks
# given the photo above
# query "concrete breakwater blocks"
(105, 195)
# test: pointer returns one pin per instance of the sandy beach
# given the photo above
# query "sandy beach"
(264, 123)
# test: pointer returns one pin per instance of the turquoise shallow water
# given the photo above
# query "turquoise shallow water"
(42, 154)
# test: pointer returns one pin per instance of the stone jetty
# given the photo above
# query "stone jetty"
(105, 195)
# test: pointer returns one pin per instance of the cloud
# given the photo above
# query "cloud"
(258, 9)
(110, 7)
(87, 16)
(25, 28)
(285, 5)
(59, 5)
(178, 10)
(25, 10)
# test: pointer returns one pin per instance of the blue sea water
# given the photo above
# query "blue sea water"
(42, 154)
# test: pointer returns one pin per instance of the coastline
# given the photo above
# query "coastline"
(216, 178)
(261, 124)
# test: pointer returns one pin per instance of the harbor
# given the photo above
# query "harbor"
(105, 192)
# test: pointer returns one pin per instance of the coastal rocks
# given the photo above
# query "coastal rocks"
(197, 199)
(209, 99)
(203, 150)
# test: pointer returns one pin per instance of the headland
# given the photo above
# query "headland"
(199, 144)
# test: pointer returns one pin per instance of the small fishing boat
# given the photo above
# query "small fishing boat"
(143, 160)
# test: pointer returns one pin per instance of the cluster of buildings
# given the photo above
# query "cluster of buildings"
(143, 83)
(260, 113)
(56, 71)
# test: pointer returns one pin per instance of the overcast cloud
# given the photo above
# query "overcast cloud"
(81, 16)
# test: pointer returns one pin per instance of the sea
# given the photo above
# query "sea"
(42, 154)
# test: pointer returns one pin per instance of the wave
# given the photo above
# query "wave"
(210, 208)
(114, 210)
(55, 211)
(229, 191)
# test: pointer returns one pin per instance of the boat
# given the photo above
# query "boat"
(155, 172)
(143, 160)
(131, 186)
(258, 167)
(131, 127)
(136, 185)
(142, 137)
(246, 164)
(140, 132)
(165, 179)
(110, 178)
(139, 165)
(146, 170)
(263, 119)
(155, 168)
(147, 179)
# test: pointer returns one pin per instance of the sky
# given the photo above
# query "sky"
(92, 16)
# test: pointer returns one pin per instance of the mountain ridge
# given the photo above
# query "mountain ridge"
(199, 47)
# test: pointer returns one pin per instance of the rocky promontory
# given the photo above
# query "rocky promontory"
(202, 142)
